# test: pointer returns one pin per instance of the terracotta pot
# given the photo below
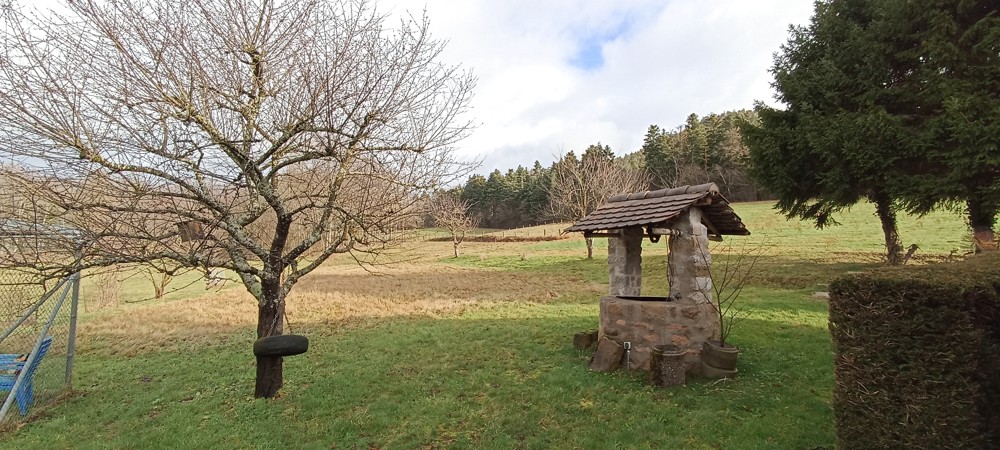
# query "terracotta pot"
(714, 355)
(714, 372)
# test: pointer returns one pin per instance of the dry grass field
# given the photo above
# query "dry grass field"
(333, 296)
(422, 279)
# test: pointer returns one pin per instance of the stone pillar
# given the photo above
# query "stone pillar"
(625, 262)
(689, 260)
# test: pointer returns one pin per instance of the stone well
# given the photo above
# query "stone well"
(687, 318)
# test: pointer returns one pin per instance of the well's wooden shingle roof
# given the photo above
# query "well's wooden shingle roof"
(657, 208)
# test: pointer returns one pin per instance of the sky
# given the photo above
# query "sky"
(559, 75)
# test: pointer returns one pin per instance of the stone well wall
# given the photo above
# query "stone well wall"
(687, 320)
(647, 323)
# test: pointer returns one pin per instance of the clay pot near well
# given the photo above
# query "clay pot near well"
(667, 367)
(718, 360)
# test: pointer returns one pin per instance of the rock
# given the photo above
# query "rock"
(608, 356)
(690, 312)
(584, 339)
(680, 341)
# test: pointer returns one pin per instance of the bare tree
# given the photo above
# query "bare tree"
(109, 288)
(736, 271)
(30, 233)
(580, 186)
(160, 273)
(270, 129)
(452, 213)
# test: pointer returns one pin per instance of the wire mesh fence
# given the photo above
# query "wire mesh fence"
(533, 233)
(31, 310)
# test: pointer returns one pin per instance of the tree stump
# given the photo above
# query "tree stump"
(584, 339)
(666, 366)
(608, 356)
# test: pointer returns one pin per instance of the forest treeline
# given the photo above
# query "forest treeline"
(703, 149)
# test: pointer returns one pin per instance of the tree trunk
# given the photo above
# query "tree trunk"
(887, 215)
(269, 368)
(456, 242)
(160, 288)
(982, 217)
(590, 248)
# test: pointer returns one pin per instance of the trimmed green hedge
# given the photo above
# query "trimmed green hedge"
(917, 356)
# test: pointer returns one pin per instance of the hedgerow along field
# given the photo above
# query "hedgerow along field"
(475, 352)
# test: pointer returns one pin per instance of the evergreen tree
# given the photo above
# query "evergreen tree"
(535, 195)
(694, 141)
(703, 150)
(513, 199)
(949, 53)
(598, 152)
(835, 143)
(660, 163)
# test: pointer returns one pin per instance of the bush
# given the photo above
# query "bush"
(917, 356)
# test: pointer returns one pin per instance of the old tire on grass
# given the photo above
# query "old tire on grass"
(282, 345)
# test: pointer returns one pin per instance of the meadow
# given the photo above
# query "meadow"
(429, 351)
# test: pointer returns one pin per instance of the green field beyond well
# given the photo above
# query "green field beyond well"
(474, 352)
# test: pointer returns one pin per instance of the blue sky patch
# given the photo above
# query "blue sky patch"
(589, 54)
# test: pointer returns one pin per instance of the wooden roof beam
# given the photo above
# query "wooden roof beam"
(609, 233)
(715, 235)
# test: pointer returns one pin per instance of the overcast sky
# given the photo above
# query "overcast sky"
(558, 75)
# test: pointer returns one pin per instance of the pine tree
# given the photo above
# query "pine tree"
(951, 55)
(836, 143)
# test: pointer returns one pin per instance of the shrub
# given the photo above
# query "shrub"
(917, 356)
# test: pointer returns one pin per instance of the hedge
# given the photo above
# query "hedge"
(917, 356)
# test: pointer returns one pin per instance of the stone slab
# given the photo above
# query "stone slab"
(608, 356)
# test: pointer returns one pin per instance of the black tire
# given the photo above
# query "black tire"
(283, 345)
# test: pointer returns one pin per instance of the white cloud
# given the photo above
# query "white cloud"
(664, 61)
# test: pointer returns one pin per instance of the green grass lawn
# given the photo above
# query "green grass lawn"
(500, 378)
(491, 373)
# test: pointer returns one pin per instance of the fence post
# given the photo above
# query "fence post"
(71, 345)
